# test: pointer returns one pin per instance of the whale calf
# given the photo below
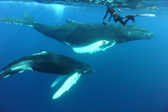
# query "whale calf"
(68, 69)
(86, 37)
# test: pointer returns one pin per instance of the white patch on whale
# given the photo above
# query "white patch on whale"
(22, 66)
(21, 71)
(6, 75)
(42, 52)
(101, 45)
(66, 43)
(67, 85)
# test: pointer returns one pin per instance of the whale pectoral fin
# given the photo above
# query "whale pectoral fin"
(101, 45)
(58, 80)
(67, 85)
(12, 20)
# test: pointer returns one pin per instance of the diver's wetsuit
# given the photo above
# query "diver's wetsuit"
(115, 15)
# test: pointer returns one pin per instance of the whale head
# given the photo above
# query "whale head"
(130, 33)
(86, 69)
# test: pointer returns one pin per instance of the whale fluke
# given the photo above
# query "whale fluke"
(27, 20)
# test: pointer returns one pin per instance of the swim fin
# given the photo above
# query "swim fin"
(131, 18)
(105, 22)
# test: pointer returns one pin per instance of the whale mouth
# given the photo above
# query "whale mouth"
(145, 34)
(139, 33)
(89, 71)
(150, 35)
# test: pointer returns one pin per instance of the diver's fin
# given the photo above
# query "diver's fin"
(101, 45)
(27, 20)
(70, 21)
(131, 17)
(67, 85)
(104, 23)
(138, 15)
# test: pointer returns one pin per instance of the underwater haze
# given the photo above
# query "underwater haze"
(128, 77)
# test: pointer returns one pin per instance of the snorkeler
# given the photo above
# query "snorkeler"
(116, 16)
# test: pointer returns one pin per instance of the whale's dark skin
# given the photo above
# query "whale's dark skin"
(82, 34)
(47, 62)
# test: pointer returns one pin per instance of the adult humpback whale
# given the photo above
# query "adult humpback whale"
(87, 37)
(49, 62)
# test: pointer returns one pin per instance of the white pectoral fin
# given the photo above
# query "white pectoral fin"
(67, 85)
(101, 45)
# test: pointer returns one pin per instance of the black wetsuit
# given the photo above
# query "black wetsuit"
(115, 15)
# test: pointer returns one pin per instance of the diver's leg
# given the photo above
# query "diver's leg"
(107, 21)
(109, 18)
(104, 18)
(105, 15)
(123, 22)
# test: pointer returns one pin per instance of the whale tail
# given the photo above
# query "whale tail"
(27, 20)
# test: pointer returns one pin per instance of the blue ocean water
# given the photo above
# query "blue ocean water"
(129, 77)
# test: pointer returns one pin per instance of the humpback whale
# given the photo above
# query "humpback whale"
(68, 69)
(85, 37)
